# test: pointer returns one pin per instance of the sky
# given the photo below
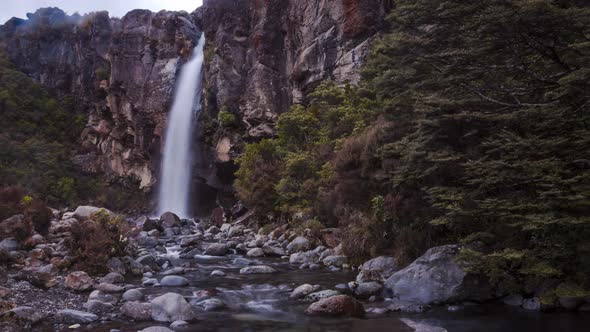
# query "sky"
(117, 8)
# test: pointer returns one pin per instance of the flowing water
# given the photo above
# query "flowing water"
(261, 303)
(177, 159)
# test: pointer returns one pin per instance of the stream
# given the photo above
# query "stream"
(260, 302)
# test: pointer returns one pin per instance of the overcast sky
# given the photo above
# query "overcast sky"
(118, 8)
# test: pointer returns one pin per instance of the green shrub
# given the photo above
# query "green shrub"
(227, 119)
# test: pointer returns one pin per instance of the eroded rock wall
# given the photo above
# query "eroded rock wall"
(262, 56)
(118, 73)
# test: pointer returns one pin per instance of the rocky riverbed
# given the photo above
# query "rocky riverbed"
(193, 275)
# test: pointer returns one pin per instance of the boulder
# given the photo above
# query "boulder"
(170, 220)
(255, 252)
(174, 281)
(149, 261)
(339, 305)
(436, 278)
(179, 325)
(171, 307)
(302, 291)
(109, 288)
(97, 295)
(138, 311)
(68, 316)
(336, 260)
(79, 281)
(257, 269)
(146, 241)
(98, 307)
(113, 278)
(533, 304)
(377, 269)
(210, 305)
(216, 249)
(307, 257)
(84, 212)
(300, 243)
(132, 295)
(156, 329)
(190, 240)
(274, 251)
(9, 245)
(313, 297)
(368, 289)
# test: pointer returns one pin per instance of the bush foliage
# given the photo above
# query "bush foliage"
(471, 125)
(96, 240)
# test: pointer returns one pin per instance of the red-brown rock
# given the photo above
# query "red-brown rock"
(339, 305)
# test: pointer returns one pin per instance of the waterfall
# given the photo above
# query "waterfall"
(177, 160)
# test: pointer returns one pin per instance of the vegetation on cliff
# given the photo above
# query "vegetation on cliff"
(471, 125)
(38, 136)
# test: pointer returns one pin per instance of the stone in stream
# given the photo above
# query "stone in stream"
(156, 329)
(171, 307)
(146, 241)
(422, 327)
(255, 252)
(209, 304)
(170, 220)
(138, 311)
(533, 304)
(179, 325)
(242, 261)
(79, 281)
(377, 269)
(216, 249)
(68, 316)
(300, 243)
(339, 305)
(113, 278)
(110, 288)
(174, 281)
(367, 289)
(336, 260)
(303, 290)
(98, 307)
(174, 271)
(190, 240)
(102, 297)
(132, 295)
(307, 257)
(257, 269)
(217, 273)
(436, 278)
(150, 282)
(273, 251)
(149, 261)
(313, 297)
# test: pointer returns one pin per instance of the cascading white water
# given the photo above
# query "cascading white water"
(177, 159)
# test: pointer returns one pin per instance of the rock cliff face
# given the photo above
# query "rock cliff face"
(266, 55)
(261, 57)
(119, 73)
